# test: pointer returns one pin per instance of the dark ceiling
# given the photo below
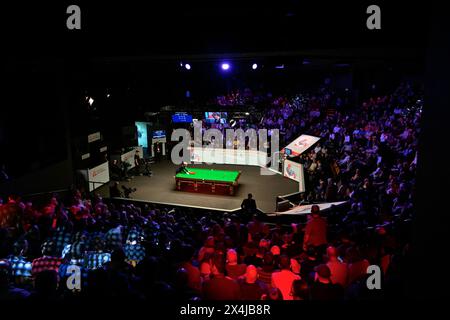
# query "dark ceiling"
(131, 29)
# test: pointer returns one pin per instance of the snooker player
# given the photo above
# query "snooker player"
(183, 169)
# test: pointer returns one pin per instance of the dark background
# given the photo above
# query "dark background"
(137, 28)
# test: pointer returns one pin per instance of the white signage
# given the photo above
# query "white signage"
(228, 156)
(93, 137)
(306, 209)
(301, 144)
(98, 176)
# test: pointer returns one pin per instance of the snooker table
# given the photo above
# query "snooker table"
(208, 181)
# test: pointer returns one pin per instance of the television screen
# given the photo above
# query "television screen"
(142, 133)
(216, 117)
(181, 117)
(158, 134)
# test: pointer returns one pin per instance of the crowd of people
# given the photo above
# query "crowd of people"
(136, 252)
(366, 153)
(367, 157)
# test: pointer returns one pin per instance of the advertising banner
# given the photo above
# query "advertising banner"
(228, 156)
(98, 176)
(300, 145)
(294, 171)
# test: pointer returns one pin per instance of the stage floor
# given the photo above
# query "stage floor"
(160, 188)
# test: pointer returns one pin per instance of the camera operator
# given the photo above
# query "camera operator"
(147, 169)
(118, 170)
(114, 191)
(137, 159)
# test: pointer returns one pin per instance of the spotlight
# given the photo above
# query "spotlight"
(254, 66)
(187, 66)
(91, 101)
(225, 66)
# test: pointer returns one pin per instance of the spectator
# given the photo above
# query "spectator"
(300, 290)
(208, 248)
(220, 287)
(7, 291)
(233, 269)
(267, 268)
(357, 266)
(47, 262)
(193, 273)
(182, 288)
(283, 279)
(118, 264)
(323, 288)
(338, 269)
(250, 287)
(255, 227)
(45, 286)
(316, 229)
(308, 264)
(274, 294)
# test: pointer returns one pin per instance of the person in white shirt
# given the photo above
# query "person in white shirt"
(283, 279)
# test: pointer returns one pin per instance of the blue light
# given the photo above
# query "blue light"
(225, 66)
(187, 66)
(254, 66)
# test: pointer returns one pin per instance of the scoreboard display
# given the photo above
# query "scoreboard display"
(181, 117)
